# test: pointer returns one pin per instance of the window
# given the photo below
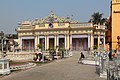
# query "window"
(50, 25)
(5, 66)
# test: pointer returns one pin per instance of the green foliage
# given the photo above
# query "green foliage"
(97, 18)
(51, 49)
(95, 47)
(61, 49)
(39, 46)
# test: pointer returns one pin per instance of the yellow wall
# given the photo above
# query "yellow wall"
(115, 22)
(19, 42)
(55, 25)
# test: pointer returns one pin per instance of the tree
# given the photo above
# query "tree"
(97, 18)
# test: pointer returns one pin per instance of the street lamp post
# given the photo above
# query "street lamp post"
(100, 56)
(2, 44)
(1, 38)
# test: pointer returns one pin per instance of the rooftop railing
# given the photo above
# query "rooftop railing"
(100, 27)
(81, 25)
(25, 27)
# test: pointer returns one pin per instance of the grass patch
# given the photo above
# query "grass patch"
(13, 63)
(15, 70)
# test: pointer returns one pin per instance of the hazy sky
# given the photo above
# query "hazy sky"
(14, 11)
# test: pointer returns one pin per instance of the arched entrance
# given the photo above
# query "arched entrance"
(79, 44)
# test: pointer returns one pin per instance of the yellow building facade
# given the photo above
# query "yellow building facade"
(115, 22)
(53, 31)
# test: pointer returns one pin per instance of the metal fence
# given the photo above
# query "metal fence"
(110, 67)
(113, 72)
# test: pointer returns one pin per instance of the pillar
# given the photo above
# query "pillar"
(47, 42)
(98, 42)
(68, 42)
(55, 42)
(65, 41)
(36, 42)
(89, 41)
(71, 42)
(92, 41)
(21, 43)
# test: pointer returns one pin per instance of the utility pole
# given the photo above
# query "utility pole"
(1, 37)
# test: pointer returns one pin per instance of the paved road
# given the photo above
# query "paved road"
(65, 69)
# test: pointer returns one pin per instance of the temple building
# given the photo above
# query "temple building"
(63, 32)
(113, 24)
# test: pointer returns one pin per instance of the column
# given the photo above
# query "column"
(98, 42)
(71, 42)
(55, 42)
(89, 41)
(2, 65)
(36, 42)
(65, 41)
(47, 42)
(21, 43)
(68, 42)
(92, 41)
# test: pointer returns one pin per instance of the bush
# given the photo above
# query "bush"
(95, 47)
(39, 46)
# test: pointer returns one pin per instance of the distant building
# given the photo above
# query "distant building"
(13, 38)
(53, 31)
(8, 40)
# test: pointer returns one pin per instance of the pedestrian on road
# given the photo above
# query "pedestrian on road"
(110, 56)
(81, 57)
(115, 55)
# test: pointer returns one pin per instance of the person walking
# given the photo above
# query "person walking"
(110, 56)
(81, 57)
(115, 55)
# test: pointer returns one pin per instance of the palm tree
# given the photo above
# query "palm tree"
(97, 18)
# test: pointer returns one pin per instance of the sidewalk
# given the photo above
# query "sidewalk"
(90, 62)
(64, 69)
